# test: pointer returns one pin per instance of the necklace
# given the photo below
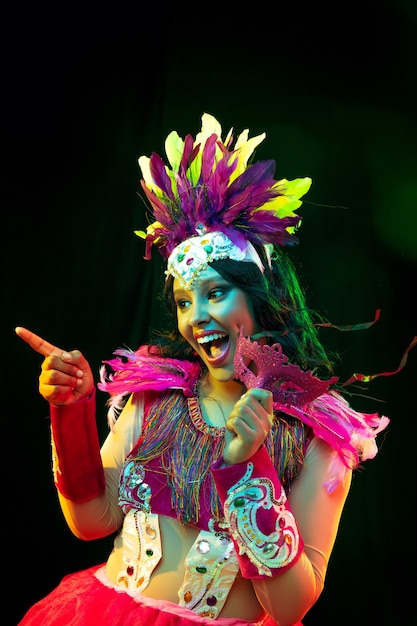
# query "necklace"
(180, 444)
(212, 417)
(215, 410)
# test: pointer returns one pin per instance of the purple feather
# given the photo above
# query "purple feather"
(262, 171)
(160, 176)
(207, 159)
(217, 191)
(161, 212)
(213, 201)
(188, 155)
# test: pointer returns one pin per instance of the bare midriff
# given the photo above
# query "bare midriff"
(168, 576)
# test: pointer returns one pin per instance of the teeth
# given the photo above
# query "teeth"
(212, 337)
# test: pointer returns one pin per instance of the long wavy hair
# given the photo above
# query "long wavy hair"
(279, 306)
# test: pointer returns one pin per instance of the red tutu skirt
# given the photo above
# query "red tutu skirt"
(81, 599)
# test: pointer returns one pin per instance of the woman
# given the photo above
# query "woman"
(228, 461)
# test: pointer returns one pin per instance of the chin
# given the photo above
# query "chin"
(222, 374)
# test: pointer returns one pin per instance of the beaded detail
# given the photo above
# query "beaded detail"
(212, 563)
(192, 256)
(267, 550)
(211, 567)
(141, 550)
(133, 491)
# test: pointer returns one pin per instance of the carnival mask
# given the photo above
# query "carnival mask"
(269, 369)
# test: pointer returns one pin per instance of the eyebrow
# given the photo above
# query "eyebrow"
(180, 291)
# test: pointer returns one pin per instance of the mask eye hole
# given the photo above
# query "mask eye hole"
(284, 385)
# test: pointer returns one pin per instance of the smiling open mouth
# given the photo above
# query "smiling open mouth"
(214, 345)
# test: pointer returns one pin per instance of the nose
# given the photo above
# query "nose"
(199, 313)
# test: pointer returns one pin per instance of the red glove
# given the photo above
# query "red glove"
(77, 465)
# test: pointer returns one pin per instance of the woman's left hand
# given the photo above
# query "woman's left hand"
(248, 425)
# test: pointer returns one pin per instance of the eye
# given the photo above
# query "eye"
(182, 304)
(216, 292)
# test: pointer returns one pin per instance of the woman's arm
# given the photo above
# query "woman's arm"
(283, 544)
(287, 597)
(100, 516)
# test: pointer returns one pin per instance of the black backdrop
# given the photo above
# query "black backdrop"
(334, 88)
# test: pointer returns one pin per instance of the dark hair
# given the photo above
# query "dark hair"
(279, 306)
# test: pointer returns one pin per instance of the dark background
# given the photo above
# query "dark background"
(333, 86)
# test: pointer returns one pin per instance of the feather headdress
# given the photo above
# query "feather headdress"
(210, 187)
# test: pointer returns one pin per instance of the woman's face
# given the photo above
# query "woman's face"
(209, 318)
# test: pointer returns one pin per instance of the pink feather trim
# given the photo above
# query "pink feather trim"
(142, 370)
(350, 433)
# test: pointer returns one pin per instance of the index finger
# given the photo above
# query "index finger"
(37, 343)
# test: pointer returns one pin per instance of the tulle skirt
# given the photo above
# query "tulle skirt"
(82, 599)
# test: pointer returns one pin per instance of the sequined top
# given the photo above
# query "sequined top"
(168, 473)
(172, 459)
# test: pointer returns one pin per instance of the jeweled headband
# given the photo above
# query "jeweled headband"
(212, 204)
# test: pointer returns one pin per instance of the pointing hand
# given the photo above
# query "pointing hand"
(65, 377)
